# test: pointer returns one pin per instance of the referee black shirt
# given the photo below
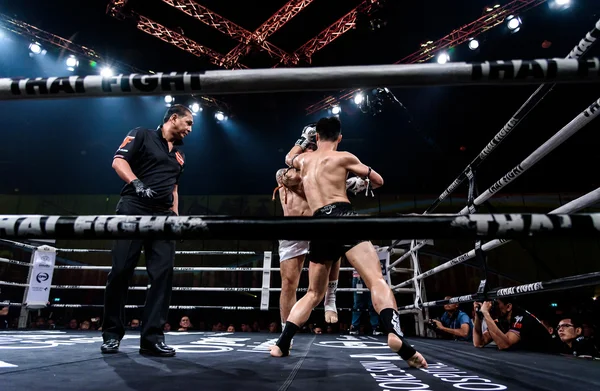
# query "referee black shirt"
(147, 153)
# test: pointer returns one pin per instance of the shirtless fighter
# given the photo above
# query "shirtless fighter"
(324, 173)
(293, 252)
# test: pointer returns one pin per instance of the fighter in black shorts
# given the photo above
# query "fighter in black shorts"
(325, 250)
(324, 176)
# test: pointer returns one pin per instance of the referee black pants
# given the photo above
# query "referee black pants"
(160, 258)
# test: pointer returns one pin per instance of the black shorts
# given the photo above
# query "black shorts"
(331, 250)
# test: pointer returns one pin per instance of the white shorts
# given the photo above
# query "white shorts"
(292, 248)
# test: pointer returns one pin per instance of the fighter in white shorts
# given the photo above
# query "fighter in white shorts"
(292, 253)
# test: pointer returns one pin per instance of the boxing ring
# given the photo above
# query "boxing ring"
(209, 360)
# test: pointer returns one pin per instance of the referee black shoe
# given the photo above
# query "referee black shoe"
(159, 349)
(110, 346)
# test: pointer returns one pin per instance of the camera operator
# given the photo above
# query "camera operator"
(454, 323)
(516, 327)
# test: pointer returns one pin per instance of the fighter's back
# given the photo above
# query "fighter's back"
(324, 178)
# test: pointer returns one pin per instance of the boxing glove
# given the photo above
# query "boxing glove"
(308, 136)
(356, 184)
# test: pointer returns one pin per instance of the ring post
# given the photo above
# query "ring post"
(266, 282)
(39, 282)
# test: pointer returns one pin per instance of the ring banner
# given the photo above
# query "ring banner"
(40, 279)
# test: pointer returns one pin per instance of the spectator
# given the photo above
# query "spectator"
(570, 332)
(40, 323)
(362, 301)
(73, 324)
(231, 328)
(185, 324)
(455, 323)
(134, 324)
(516, 329)
(85, 325)
(273, 327)
(3, 317)
(246, 328)
(167, 327)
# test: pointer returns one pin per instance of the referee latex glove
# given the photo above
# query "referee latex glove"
(142, 190)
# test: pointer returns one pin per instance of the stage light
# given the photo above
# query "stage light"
(35, 48)
(560, 4)
(443, 58)
(359, 98)
(336, 110)
(473, 44)
(220, 117)
(169, 99)
(106, 72)
(195, 107)
(72, 63)
(514, 23)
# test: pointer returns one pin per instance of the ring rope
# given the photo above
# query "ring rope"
(578, 52)
(571, 282)
(181, 269)
(189, 307)
(214, 82)
(578, 204)
(193, 288)
(476, 226)
(84, 250)
(551, 144)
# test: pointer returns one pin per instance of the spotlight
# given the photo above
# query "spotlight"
(72, 63)
(514, 23)
(336, 110)
(169, 99)
(560, 4)
(359, 98)
(473, 44)
(220, 116)
(195, 108)
(106, 72)
(35, 48)
(443, 58)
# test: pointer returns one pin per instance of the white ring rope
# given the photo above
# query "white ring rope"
(180, 269)
(191, 288)
(578, 204)
(86, 250)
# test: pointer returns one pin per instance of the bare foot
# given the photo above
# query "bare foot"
(275, 351)
(417, 361)
(331, 317)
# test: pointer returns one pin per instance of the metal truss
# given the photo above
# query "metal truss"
(492, 17)
(336, 30)
(229, 28)
(270, 26)
(171, 37)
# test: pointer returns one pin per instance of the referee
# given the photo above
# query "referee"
(150, 163)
